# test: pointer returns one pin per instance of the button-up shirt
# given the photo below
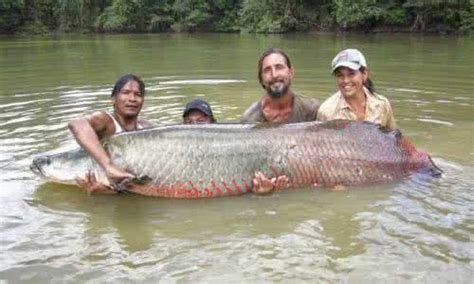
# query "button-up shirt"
(377, 110)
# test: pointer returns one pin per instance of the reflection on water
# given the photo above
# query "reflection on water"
(419, 230)
(254, 230)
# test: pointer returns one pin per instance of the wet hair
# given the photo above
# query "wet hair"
(369, 84)
(122, 81)
(267, 53)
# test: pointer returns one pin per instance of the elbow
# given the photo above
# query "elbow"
(72, 125)
(76, 124)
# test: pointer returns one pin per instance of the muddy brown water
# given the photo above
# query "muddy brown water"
(417, 230)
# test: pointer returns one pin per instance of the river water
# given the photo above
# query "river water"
(417, 230)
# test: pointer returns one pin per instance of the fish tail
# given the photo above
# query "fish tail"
(434, 170)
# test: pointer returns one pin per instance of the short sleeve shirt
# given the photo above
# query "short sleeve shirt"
(378, 110)
(304, 109)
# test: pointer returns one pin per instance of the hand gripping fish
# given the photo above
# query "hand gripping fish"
(199, 161)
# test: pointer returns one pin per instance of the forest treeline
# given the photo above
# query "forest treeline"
(254, 16)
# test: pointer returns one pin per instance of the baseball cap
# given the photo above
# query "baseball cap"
(199, 105)
(350, 58)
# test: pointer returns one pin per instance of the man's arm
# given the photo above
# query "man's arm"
(88, 131)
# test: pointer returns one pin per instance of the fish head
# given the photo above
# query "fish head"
(63, 167)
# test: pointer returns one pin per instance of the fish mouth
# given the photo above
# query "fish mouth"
(36, 165)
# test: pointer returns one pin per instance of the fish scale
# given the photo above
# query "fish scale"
(198, 161)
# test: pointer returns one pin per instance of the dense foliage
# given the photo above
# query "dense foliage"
(256, 16)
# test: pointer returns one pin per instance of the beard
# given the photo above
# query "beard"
(277, 93)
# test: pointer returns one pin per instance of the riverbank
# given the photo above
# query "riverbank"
(235, 16)
(314, 31)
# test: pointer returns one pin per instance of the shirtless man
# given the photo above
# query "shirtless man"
(279, 104)
(128, 96)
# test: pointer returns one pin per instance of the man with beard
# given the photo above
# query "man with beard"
(279, 104)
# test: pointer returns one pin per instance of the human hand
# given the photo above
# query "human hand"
(281, 182)
(116, 175)
(263, 185)
(90, 184)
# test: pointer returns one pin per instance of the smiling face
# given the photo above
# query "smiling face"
(276, 75)
(350, 82)
(128, 101)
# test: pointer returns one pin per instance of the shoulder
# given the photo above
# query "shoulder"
(253, 113)
(306, 107)
(101, 121)
(98, 118)
(383, 100)
(330, 103)
(306, 102)
(380, 98)
(329, 107)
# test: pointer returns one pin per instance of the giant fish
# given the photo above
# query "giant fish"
(198, 161)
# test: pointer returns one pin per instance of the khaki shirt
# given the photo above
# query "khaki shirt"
(304, 109)
(378, 110)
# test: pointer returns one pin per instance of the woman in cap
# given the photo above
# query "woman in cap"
(356, 98)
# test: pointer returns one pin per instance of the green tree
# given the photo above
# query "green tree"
(256, 16)
(10, 15)
(439, 14)
(190, 15)
(125, 16)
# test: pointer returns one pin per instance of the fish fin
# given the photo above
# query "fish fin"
(393, 132)
(434, 170)
(141, 180)
(120, 187)
(335, 124)
(265, 125)
(396, 133)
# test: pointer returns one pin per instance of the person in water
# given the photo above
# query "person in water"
(279, 104)
(128, 96)
(356, 98)
(199, 112)
(195, 112)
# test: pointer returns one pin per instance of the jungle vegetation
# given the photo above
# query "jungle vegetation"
(245, 16)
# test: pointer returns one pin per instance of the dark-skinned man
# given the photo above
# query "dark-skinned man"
(127, 96)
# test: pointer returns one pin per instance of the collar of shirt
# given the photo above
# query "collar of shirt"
(372, 102)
